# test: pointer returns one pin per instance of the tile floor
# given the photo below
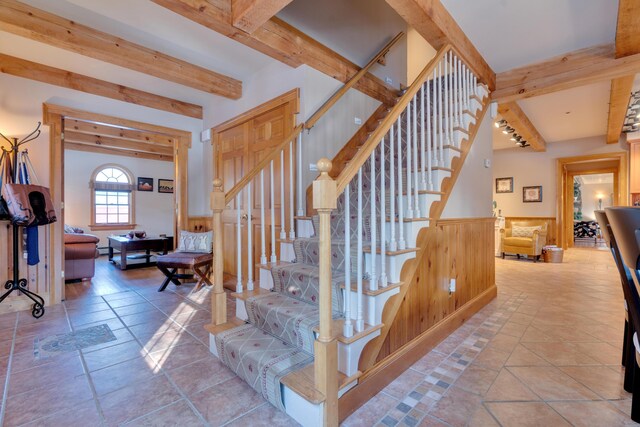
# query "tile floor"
(546, 352)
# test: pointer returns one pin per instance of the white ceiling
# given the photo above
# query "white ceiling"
(512, 33)
(596, 178)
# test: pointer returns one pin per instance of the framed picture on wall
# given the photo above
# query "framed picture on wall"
(504, 185)
(532, 194)
(165, 186)
(145, 184)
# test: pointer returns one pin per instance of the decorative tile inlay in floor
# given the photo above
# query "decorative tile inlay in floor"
(83, 338)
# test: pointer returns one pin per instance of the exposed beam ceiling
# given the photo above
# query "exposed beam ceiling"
(27, 21)
(56, 76)
(116, 152)
(627, 43)
(518, 120)
(79, 126)
(432, 20)
(577, 68)
(116, 143)
(280, 41)
(249, 15)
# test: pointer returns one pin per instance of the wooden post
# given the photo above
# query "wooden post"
(325, 346)
(218, 297)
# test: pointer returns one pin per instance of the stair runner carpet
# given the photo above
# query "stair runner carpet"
(279, 336)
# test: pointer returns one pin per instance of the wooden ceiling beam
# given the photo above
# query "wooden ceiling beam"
(573, 69)
(26, 21)
(96, 129)
(282, 42)
(518, 120)
(63, 78)
(627, 43)
(116, 152)
(433, 22)
(115, 143)
(249, 15)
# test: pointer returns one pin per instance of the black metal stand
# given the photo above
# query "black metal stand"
(18, 284)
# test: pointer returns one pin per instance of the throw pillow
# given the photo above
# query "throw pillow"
(195, 242)
(521, 231)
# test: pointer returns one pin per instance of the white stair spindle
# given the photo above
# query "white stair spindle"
(283, 227)
(401, 242)
(383, 218)
(373, 278)
(272, 204)
(393, 244)
(456, 92)
(238, 245)
(348, 324)
(423, 152)
(414, 145)
(460, 94)
(263, 237)
(292, 227)
(434, 124)
(299, 177)
(452, 111)
(447, 104)
(430, 137)
(475, 83)
(440, 114)
(359, 259)
(468, 83)
(249, 239)
(408, 164)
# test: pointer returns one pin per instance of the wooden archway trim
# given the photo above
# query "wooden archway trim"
(54, 116)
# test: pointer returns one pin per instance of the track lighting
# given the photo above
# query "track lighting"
(632, 118)
(500, 123)
(508, 130)
(515, 137)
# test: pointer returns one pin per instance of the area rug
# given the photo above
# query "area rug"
(83, 338)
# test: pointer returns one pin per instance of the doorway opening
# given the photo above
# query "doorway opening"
(586, 184)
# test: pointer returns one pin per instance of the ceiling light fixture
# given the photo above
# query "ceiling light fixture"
(500, 123)
(632, 118)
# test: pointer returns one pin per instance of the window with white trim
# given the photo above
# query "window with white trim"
(112, 196)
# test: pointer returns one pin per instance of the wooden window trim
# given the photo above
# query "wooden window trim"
(131, 224)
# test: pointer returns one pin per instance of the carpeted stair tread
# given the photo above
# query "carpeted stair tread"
(302, 282)
(260, 359)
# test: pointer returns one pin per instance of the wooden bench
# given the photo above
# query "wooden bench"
(198, 262)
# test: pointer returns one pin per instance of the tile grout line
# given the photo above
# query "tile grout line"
(5, 392)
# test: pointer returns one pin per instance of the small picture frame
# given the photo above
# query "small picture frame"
(532, 194)
(504, 185)
(145, 184)
(165, 186)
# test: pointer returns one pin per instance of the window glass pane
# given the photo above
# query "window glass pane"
(112, 219)
(101, 219)
(123, 199)
(101, 198)
(101, 209)
(112, 209)
(123, 218)
(112, 199)
(123, 209)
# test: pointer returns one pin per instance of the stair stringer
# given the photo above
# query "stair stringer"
(409, 269)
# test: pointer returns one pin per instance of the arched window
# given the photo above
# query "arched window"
(112, 198)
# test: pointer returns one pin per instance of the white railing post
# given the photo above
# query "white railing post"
(401, 242)
(299, 170)
(283, 226)
(415, 170)
(373, 279)
(348, 324)
(423, 152)
(439, 115)
(442, 112)
(393, 244)
(249, 238)
(383, 218)
(263, 237)
(272, 190)
(430, 138)
(447, 103)
(238, 245)
(408, 138)
(359, 259)
(292, 221)
(452, 112)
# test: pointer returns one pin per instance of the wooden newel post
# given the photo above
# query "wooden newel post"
(218, 297)
(325, 346)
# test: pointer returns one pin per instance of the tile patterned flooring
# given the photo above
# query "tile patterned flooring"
(546, 352)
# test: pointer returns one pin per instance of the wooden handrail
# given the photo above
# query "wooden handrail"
(348, 85)
(367, 148)
(275, 153)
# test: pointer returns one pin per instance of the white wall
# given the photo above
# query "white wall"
(590, 200)
(471, 196)
(530, 168)
(153, 210)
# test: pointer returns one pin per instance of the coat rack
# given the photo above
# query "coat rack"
(18, 284)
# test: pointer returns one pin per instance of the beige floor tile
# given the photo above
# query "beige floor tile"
(507, 387)
(525, 414)
(492, 358)
(522, 356)
(561, 353)
(482, 418)
(551, 384)
(404, 384)
(176, 414)
(591, 414)
(226, 401)
(605, 381)
(476, 379)
(372, 411)
(200, 375)
(81, 415)
(264, 416)
(456, 407)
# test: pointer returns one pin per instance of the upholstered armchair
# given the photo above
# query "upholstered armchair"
(524, 238)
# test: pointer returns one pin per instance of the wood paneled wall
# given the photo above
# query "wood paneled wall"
(461, 249)
(552, 232)
(200, 223)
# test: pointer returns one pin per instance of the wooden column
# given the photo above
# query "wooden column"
(218, 297)
(326, 347)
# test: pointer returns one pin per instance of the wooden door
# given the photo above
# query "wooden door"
(238, 149)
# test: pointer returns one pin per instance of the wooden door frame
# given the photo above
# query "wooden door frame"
(54, 116)
(564, 178)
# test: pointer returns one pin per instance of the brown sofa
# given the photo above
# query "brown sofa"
(80, 253)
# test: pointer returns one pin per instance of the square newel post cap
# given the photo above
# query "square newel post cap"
(324, 188)
(217, 196)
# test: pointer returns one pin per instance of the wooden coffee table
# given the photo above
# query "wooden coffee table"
(129, 247)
